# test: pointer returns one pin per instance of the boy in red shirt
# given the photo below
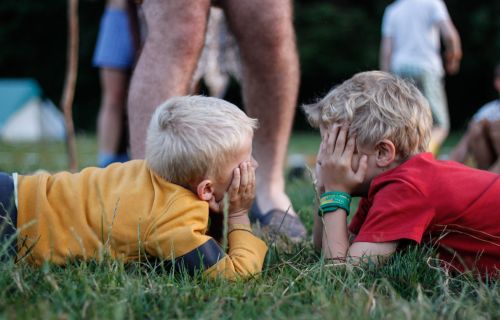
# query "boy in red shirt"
(375, 130)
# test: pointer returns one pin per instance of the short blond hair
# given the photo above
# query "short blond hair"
(377, 105)
(194, 137)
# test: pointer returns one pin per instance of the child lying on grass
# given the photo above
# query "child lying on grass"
(375, 130)
(197, 150)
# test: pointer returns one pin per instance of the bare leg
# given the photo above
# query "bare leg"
(114, 84)
(459, 153)
(176, 30)
(494, 134)
(265, 35)
(480, 146)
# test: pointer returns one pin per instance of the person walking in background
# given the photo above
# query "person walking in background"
(114, 56)
(264, 32)
(410, 47)
(482, 139)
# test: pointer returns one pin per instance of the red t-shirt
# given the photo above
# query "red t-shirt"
(443, 203)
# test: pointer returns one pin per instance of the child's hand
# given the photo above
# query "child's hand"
(241, 192)
(335, 161)
(318, 180)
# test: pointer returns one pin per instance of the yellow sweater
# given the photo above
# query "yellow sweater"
(128, 212)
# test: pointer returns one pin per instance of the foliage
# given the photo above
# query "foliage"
(339, 38)
(33, 42)
(335, 39)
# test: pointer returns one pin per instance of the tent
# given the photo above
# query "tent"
(25, 115)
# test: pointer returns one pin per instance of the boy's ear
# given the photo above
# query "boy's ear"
(205, 192)
(386, 153)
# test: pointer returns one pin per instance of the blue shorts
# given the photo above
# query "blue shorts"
(115, 47)
(8, 216)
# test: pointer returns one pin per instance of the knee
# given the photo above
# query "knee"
(181, 36)
(278, 41)
(476, 131)
(271, 37)
(494, 133)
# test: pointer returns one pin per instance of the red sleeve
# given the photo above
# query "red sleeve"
(398, 211)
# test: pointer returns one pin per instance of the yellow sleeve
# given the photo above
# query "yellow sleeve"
(245, 257)
(178, 235)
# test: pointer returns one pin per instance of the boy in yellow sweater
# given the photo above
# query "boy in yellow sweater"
(197, 150)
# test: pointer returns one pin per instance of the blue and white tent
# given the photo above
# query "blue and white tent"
(25, 115)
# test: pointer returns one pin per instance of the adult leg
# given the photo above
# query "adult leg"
(266, 38)
(176, 30)
(461, 150)
(480, 144)
(494, 134)
(114, 84)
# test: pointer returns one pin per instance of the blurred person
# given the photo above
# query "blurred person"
(270, 76)
(410, 47)
(114, 56)
(482, 139)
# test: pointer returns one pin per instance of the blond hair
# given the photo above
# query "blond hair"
(377, 105)
(194, 137)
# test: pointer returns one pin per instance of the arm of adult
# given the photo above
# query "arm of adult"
(453, 47)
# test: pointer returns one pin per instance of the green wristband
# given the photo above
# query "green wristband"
(332, 201)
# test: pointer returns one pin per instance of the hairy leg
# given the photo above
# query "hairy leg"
(266, 38)
(176, 30)
(114, 84)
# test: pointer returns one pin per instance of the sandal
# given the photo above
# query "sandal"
(280, 223)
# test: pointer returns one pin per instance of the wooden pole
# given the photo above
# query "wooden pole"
(70, 82)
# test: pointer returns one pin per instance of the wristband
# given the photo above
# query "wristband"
(239, 226)
(334, 200)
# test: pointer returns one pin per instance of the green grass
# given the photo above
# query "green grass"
(295, 282)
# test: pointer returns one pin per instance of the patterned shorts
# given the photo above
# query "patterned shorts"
(432, 87)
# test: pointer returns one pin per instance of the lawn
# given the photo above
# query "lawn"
(295, 283)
